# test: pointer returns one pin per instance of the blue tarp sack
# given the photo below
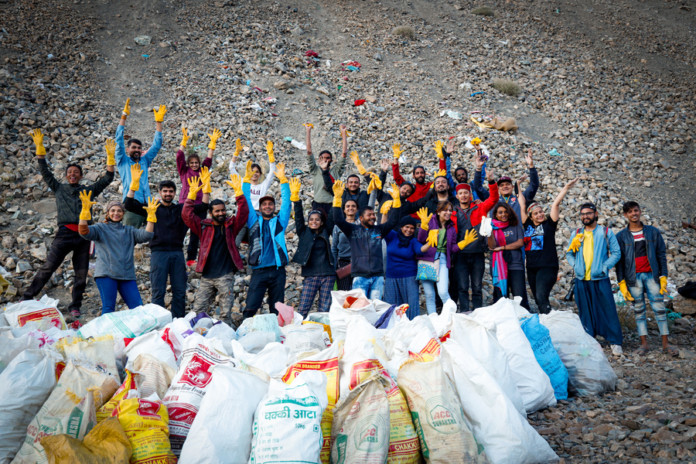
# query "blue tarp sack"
(546, 355)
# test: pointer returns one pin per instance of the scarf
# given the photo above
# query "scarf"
(498, 265)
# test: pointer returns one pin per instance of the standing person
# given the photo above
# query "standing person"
(470, 263)
(506, 242)
(421, 187)
(257, 188)
(115, 269)
(367, 265)
(188, 167)
(323, 196)
(403, 248)
(340, 245)
(592, 252)
(128, 155)
(641, 271)
(167, 257)
(219, 257)
(313, 254)
(268, 254)
(67, 238)
(440, 238)
(540, 246)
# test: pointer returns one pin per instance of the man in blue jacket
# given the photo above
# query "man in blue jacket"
(268, 254)
(592, 252)
(642, 270)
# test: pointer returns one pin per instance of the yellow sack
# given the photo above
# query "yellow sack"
(105, 411)
(146, 425)
(105, 443)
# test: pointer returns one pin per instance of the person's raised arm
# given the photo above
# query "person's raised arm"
(151, 208)
(235, 157)
(523, 203)
(344, 140)
(157, 140)
(308, 141)
(357, 162)
(187, 213)
(240, 219)
(46, 173)
(120, 142)
(337, 211)
(531, 190)
(326, 175)
(395, 213)
(396, 148)
(295, 186)
(286, 204)
(181, 166)
(266, 184)
(131, 204)
(493, 196)
(104, 181)
(477, 185)
(86, 215)
(556, 206)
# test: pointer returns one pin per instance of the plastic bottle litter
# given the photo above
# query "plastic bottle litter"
(452, 114)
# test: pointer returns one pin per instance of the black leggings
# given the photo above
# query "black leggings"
(541, 281)
(515, 285)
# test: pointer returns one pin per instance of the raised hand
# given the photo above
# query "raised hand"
(528, 159)
(469, 237)
(396, 196)
(309, 126)
(384, 164)
(248, 172)
(136, 172)
(424, 218)
(110, 147)
(572, 183)
(159, 113)
(214, 138)
(440, 173)
(37, 136)
(194, 187)
(295, 186)
(269, 150)
(476, 142)
(385, 207)
(237, 147)
(338, 189)
(438, 149)
(205, 179)
(151, 208)
(280, 173)
(323, 163)
(358, 164)
(342, 129)
(86, 199)
(450, 145)
(490, 175)
(432, 238)
(396, 149)
(236, 183)
(126, 108)
(375, 183)
(184, 137)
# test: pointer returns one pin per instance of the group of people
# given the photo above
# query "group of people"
(388, 242)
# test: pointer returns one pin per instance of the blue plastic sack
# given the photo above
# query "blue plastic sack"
(546, 355)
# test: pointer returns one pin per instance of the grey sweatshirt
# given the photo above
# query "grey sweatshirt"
(114, 248)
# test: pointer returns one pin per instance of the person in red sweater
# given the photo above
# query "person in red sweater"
(421, 187)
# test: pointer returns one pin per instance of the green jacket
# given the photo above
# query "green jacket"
(321, 195)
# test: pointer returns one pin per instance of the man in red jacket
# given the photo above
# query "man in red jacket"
(469, 264)
(219, 257)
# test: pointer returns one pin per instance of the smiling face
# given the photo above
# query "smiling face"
(353, 184)
(167, 195)
(314, 221)
(267, 208)
(419, 175)
(445, 215)
(463, 196)
(633, 215)
(194, 163)
(256, 174)
(408, 230)
(72, 174)
(505, 188)
(115, 213)
(350, 209)
(368, 218)
(441, 185)
(501, 214)
(219, 214)
(405, 191)
(537, 215)
(134, 150)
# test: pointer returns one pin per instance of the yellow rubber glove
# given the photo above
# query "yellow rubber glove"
(438, 149)
(396, 196)
(126, 108)
(184, 137)
(159, 113)
(295, 187)
(576, 242)
(309, 125)
(663, 285)
(396, 148)
(236, 183)
(237, 147)
(205, 180)
(375, 183)
(469, 237)
(151, 208)
(38, 142)
(86, 199)
(280, 173)
(214, 138)
(110, 147)
(386, 206)
(432, 237)
(476, 142)
(136, 172)
(424, 218)
(338, 189)
(358, 164)
(269, 150)
(440, 173)
(623, 288)
(248, 172)
(194, 188)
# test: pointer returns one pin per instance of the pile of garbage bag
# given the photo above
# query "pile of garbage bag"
(361, 383)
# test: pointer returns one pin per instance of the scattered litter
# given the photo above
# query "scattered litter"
(145, 56)
(452, 114)
(554, 152)
(359, 102)
(478, 93)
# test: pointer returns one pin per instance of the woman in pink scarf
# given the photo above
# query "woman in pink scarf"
(506, 242)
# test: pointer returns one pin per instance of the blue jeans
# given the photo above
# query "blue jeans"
(373, 287)
(108, 288)
(645, 284)
(442, 286)
(169, 264)
(403, 290)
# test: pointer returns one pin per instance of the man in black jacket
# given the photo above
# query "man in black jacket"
(642, 270)
(167, 257)
(367, 266)
(69, 206)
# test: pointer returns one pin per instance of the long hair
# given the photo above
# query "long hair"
(512, 216)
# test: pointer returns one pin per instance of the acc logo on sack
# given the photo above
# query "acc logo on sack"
(197, 372)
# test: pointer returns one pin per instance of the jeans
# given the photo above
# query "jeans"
(442, 285)
(108, 288)
(133, 220)
(372, 287)
(597, 309)
(170, 264)
(470, 267)
(515, 284)
(398, 291)
(541, 281)
(65, 241)
(194, 241)
(646, 285)
(265, 278)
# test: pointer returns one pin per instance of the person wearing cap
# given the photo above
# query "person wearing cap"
(592, 252)
(505, 185)
(540, 246)
(114, 271)
(219, 257)
(313, 254)
(470, 262)
(268, 254)
(323, 195)
(403, 249)
(641, 271)
(67, 238)
(129, 154)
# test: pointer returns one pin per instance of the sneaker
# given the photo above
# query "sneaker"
(191, 263)
(75, 313)
(616, 350)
